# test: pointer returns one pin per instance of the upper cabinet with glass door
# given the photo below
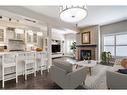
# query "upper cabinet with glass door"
(29, 36)
(2, 34)
(35, 38)
(19, 34)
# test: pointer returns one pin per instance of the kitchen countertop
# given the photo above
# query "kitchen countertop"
(7, 52)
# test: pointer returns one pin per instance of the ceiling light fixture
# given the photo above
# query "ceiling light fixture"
(73, 14)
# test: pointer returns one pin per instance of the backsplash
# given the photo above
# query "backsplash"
(16, 45)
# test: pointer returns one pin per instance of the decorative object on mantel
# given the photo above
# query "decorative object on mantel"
(86, 38)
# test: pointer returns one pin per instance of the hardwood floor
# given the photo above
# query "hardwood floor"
(38, 82)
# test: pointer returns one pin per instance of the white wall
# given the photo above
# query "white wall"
(69, 37)
(57, 36)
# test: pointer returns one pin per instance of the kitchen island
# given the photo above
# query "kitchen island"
(21, 58)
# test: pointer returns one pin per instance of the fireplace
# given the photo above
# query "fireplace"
(84, 54)
(85, 50)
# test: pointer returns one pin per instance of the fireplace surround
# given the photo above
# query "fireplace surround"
(82, 50)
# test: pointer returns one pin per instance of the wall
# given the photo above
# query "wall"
(57, 36)
(94, 37)
(112, 28)
(69, 37)
(94, 34)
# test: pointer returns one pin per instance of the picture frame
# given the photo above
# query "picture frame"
(86, 37)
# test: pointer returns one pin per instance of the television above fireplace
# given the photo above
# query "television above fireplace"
(56, 48)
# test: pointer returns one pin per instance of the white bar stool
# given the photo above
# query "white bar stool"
(40, 61)
(30, 60)
(21, 57)
(45, 60)
(8, 61)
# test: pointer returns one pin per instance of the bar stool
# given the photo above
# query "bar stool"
(21, 57)
(40, 61)
(45, 60)
(8, 61)
(30, 60)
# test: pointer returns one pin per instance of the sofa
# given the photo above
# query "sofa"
(64, 75)
(114, 79)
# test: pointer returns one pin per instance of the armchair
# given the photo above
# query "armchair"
(68, 80)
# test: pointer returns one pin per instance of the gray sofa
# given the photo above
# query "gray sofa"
(114, 79)
(62, 73)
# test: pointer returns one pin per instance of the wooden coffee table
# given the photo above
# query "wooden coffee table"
(87, 64)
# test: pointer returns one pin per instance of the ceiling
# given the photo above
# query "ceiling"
(65, 31)
(97, 15)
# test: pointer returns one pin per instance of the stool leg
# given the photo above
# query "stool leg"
(35, 69)
(16, 75)
(35, 73)
(41, 71)
(48, 69)
(25, 73)
(3, 78)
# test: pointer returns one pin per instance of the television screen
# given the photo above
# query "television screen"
(55, 48)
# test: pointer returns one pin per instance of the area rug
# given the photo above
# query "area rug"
(98, 78)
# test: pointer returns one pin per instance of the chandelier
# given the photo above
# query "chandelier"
(73, 14)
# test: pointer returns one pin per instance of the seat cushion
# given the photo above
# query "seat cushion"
(63, 65)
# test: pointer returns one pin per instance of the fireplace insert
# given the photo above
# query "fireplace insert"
(85, 54)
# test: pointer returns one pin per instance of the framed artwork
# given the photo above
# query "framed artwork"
(86, 38)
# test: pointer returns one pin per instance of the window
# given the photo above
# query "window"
(116, 44)
(109, 44)
(121, 45)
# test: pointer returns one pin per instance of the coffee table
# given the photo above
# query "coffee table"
(86, 63)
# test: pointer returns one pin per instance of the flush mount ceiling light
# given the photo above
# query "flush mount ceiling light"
(73, 14)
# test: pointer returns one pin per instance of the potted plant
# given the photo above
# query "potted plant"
(73, 47)
(105, 57)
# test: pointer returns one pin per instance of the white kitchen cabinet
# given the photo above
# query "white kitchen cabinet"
(35, 38)
(2, 34)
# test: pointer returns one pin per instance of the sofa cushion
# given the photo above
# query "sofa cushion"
(124, 63)
(123, 71)
(63, 65)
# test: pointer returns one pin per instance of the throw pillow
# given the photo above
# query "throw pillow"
(124, 63)
(118, 61)
(123, 71)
